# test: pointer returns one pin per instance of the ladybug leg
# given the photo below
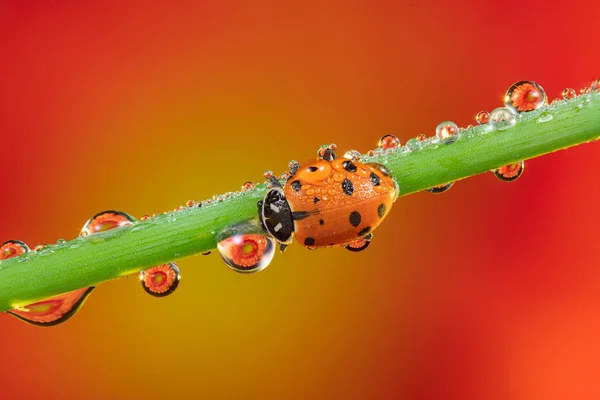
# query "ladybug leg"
(282, 247)
(360, 244)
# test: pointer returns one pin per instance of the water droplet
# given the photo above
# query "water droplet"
(145, 217)
(446, 132)
(524, 96)
(569, 93)
(61, 242)
(441, 188)
(190, 203)
(160, 281)
(422, 137)
(544, 117)
(12, 248)
(414, 144)
(595, 86)
(248, 186)
(510, 172)
(105, 221)
(40, 247)
(482, 117)
(388, 142)
(247, 252)
(326, 152)
(585, 90)
(268, 174)
(502, 119)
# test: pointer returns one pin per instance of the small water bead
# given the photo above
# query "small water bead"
(482, 117)
(105, 221)
(510, 172)
(61, 242)
(502, 119)
(12, 248)
(326, 152)
(247, 252)
(569, 93)
(40, 247)
(585, 90)
(446, 132)
(388, 142)
(414, 144)
(352, 155)
(441, 188)
(145, 217)
(248, 186)
(524, 96)
(595, 86)
(190, 203)
(422, 137)
(160, 281)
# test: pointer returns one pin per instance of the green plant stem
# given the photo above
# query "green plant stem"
(108, 255)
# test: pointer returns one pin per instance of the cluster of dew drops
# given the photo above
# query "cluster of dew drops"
(246, 249)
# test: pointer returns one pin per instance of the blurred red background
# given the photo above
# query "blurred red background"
(490, 291)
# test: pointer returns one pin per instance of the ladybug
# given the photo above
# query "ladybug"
(328, 202)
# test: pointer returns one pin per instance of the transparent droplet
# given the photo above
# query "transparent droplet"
(162, 280)
(569, 93)
(482, 117)
(441, 188)
(12, 248)
(40, 247)
(502, 119)
(414, 144)
(61, 242)
(145, 217)
(353, 155)
(446, 132)
(190, 203)
(247, 252)
(388, 142)
(545, 117)
(585, 90)
(510, 172)
(524, 96)
(105, 221)
(326, 152)
(595, 86)
(422, 137)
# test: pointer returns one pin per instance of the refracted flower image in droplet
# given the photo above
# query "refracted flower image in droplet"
(352, 155)
(105, 221)
(569, 93)
(524, 96)
(510, 172)
(446, 132)
(12, 248)
(388, 142)
(441, 188)
(482, 117)
(160, 281)
(247, 253)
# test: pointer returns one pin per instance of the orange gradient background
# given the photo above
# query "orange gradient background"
(490, 291)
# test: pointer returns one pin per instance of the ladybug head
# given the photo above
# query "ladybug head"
(276, 216)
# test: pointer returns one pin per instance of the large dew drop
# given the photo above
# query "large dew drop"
(162, 280)
(105, 221)
(524, 96)
(510, 172)
(388, 142)
(247, 253)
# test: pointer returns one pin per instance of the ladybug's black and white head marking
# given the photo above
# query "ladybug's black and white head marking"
(276, 215)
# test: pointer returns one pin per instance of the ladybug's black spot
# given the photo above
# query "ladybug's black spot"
(355, 218)
(312, 168)
(321, 222)
(374, 179)
(349, 166)
(381, 210)
(347, 187)
(316, 200)
(364, 231)
(309, 241)
(296, 185)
